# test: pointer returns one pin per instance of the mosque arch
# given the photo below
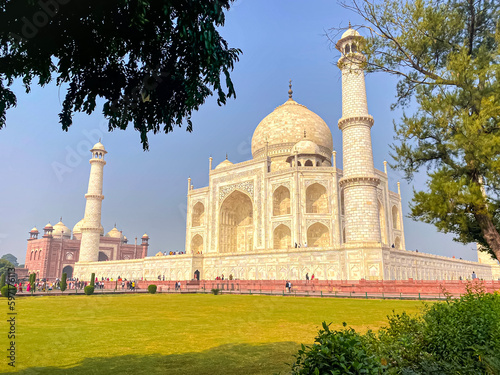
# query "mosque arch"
(299, 164)
(308, 163)
(347, 49)
(68, 270)
(69, 256)
(381, 215)
(316, 199)
(395, 217)
(282, 237)
(318, 235)
(397, 243)
(281, 201)
(197, 244)
(102, 257)
(40, 255)
(198, 216)
(31, 255)
(236, 223)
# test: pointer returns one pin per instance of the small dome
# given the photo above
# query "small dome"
(77, 229)
(98, 146)
(224, 164)
(350, 32)
(306, 147)
(159, 254)
(48, 226)
(61, 230)
(145, 236)
(114, 233)
(34, 230)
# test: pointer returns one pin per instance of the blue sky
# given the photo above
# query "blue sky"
(45, 170)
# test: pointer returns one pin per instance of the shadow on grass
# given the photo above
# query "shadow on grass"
(230, 359)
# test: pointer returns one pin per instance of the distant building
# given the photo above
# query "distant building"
(56, 252)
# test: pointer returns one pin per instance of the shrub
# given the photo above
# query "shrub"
(215, 291)
(64, 284)
(32, 282)
(2, 280)
(337, 352)
(8, 290)
(89, 289)
(459, 336)
(152, 289)
(92, 279)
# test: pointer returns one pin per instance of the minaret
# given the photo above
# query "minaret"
(359, 182)
(91, 228)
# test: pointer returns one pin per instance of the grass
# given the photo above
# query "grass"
(178, 334)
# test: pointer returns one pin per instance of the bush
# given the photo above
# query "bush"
(2, 280)
(8, 290)
(215, 291)
(64, 284)
(152, 289)
(337, 352)
(92, 279)
(89, 289)
(459, 336)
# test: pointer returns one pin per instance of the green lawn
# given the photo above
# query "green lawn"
(177, 334)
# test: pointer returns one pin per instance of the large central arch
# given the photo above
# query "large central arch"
(236, 224)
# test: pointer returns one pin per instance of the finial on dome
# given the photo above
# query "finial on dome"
(350, 24)
(60, 219)
(290, 92)
(99, 139)
(115, 225)
(226, 155)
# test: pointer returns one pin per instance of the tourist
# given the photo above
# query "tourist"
(222, 276)
(20, 287)
(312, 277)
(474, 276)
(305, 244)
(289, 287)
(307, 277)
(295, 244)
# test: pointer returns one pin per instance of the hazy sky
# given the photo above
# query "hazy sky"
(45, 170)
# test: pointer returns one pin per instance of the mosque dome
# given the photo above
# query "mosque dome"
(306, 147)
(77, 229)
(115, 233)
(98, 146)
(145, 235)
(224, 164)
(34, 230)
(287, 125)
(350, 32)
(61, 230)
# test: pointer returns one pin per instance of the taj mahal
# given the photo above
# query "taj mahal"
(289, 210)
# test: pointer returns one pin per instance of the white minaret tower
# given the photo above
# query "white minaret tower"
(359, 182)
(91, 228)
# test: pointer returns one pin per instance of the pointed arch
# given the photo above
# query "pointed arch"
(318, 235)
(198, 215)
(381, 215)
(282, 237)
(308, 163)
(281, 201)
(397, 243)
(236, 223)
(395, 217)
(316, 199)
(197, 244)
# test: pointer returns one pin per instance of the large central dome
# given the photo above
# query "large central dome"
(287, 125)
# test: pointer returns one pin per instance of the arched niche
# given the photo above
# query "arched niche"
(281, 201)
(397, 243)
(198, 216)
(236, 223)
(381, 215)
(395, 217)
(282, 237)
(103, 257)
(197, 244)
(318, 235)
(316, 199)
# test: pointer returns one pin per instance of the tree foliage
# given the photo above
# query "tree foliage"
(152, 62)
(446, 54)
(11, 258)
(64, 284)
(5, 265)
